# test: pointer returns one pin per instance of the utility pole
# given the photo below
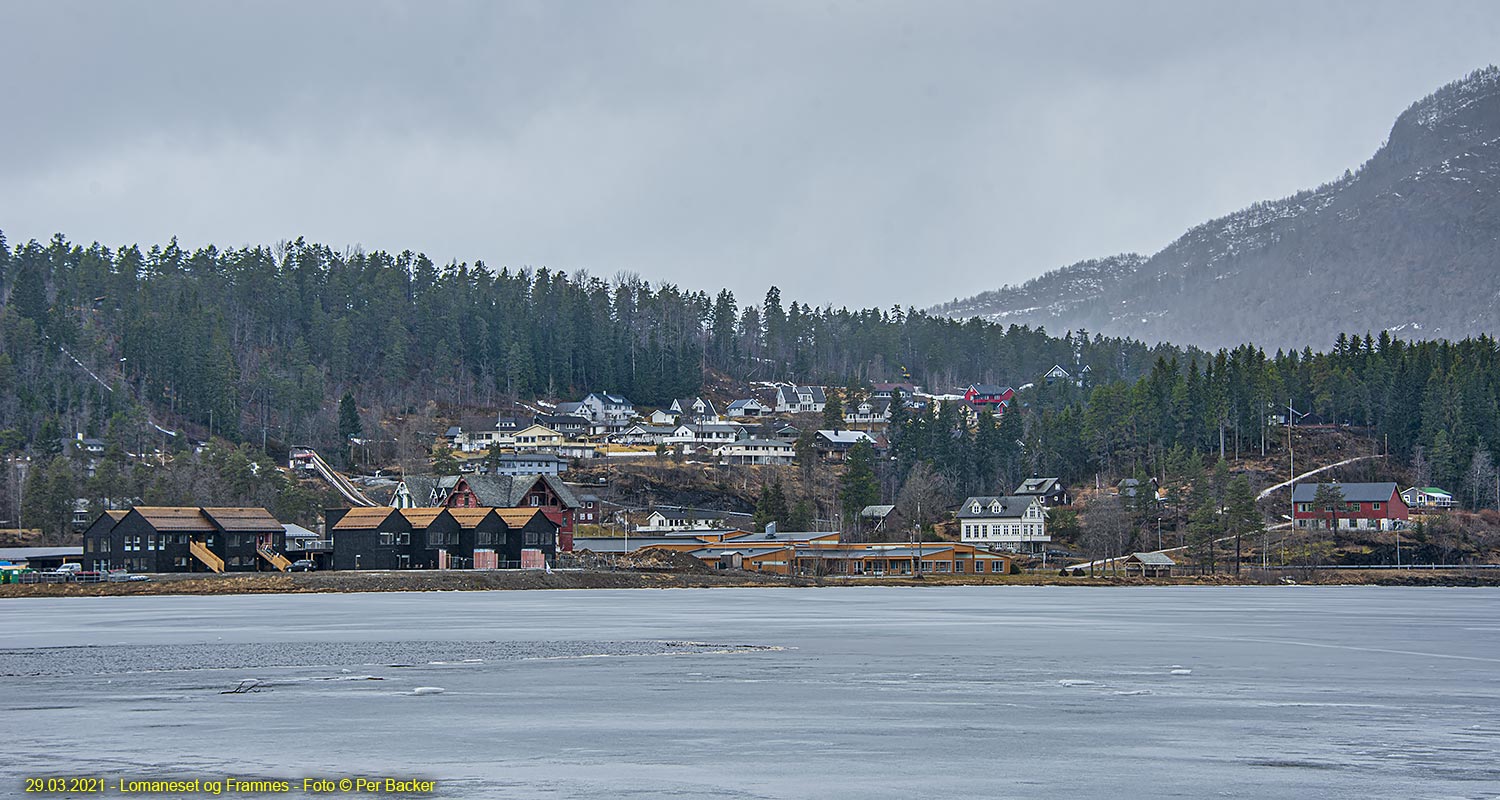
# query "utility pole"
(916, 542)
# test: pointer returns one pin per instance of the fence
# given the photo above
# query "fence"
(60, 577)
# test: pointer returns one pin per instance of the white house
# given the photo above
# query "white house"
(661, 416)
(1018, 523)
(528, 464)
(793, 399)
(698, 407)
(1058, 374)
(868, 412)
(680, 520)
(757, 451)
(476, 441)
(706, 433)
(1418, 497)
(749, 407)
(835, 445)
(610, 409)
(643, 434)
(538, 439)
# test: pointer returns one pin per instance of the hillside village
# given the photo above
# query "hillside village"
(781, 479)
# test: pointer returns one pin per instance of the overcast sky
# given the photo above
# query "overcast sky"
(859, 153)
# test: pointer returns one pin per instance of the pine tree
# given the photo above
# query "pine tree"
(833, 410)
(764, 515)
(1240, 514)
(444, 462)
(47, 504)
(350, 426)
(776, 507)
(801, 518)
(858, 486)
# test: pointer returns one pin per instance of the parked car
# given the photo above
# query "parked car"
(69, 569)
(304, 565)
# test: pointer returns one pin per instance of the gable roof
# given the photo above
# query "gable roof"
(552, 421)
(1037, 486)
(990, 388)
(686, 514)
(295, 531)
(745, 403)
(421, 517)
(419, 486)
(508, 491)
(519, 517)
(1353, 492)
(165, 518)
(469, 517)
(701, 427)
(531, 430)
(364, 518)
(243, 519)
(1153, 559)
(788, 394)
(1011, 506)
(845, 437)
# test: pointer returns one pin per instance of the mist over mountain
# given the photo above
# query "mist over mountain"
(1409, 242)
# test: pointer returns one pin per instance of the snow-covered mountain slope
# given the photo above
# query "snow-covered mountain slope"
(1410, 242)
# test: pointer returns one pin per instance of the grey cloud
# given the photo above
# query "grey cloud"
(850, 152)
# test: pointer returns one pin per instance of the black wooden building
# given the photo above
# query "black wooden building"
(185, 539)
(437, 538)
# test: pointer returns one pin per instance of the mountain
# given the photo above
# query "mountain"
(1409, 243)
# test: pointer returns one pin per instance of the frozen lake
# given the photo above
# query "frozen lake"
(1045, 692)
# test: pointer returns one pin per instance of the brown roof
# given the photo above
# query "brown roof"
(518, 517)
(243, 519)
(359, 519)
(117, 515)
(469, 517)
(421, 517)
(164, 518)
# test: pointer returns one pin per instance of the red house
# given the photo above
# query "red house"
(988, 395)
(546, 492)
(1366, 506)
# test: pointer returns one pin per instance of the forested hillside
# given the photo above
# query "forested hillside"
(1408, 242)
(258, 344)
(256, 347)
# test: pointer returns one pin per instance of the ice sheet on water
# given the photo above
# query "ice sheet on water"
(125, 659)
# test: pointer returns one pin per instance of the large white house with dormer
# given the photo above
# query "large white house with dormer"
(1018, 523)
(793, 399)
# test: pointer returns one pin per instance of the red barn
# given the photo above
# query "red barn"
(1367, 506)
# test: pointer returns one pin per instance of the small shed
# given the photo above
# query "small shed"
(1149, 565)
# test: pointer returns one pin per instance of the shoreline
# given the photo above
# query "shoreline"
(464, 580)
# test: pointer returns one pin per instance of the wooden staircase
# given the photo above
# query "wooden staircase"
(202, 553)
(275, 559)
